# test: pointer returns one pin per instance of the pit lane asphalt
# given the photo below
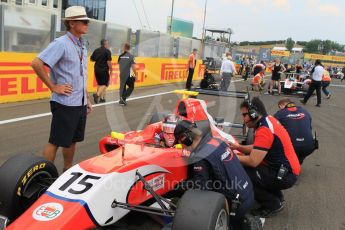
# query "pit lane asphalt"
(316, 202)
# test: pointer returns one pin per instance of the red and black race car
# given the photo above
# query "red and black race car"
(133, 173)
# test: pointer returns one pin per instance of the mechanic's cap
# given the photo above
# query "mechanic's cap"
(185, 126)
(169, 123)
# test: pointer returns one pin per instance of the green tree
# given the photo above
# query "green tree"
(327, 46)
(312, 46)
(289, 44)
(301, 43)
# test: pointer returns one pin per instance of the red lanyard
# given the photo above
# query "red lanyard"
(81, 51)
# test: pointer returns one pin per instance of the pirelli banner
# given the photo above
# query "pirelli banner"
(18, 82)
(321, 57)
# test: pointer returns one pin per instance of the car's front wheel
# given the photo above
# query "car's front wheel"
(201, 210)
(23, 179)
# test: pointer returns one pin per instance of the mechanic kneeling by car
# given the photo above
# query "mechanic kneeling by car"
(297, 122)
(271, 162)
(215, 167)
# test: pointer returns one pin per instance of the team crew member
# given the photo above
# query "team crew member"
(297, 122)
(258, 68)
(66, 57)
(126, 63)
(226, 71)
(271, 162)
(258, 81)
(317, 73)
(277, 68)
(215, 163)
(326, 81)
(191, 67)
(103, 69)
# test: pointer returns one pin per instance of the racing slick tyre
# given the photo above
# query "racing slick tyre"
(23, 179)
(250, 137)
(201, 210)
(157, 117)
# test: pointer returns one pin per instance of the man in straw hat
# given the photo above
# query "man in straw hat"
(66, 57)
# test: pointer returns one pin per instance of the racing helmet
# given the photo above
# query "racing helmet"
(168, 128)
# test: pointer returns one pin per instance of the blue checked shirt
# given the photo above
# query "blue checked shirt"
(67, 61)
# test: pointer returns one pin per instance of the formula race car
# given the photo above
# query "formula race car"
(338, 75)
(295, 84)
(133, 173)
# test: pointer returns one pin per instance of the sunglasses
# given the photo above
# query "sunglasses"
(85, 22)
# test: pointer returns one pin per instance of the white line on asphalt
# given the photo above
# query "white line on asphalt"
(3, 122)
(48, 114)
(24, 118)
(131, 99)
(341, 86)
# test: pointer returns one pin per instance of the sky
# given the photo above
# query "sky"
(251, 20)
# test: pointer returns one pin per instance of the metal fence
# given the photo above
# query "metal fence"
(95, 34)
(165, 46)
(183, 47)
(214, 49)
(147, 43)
(117, 35)
(25, 29)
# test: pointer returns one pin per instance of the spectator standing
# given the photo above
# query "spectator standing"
(227, 71)
(343, 70)
(242, 66)
(66, 58)
(317, 73)
(299, 68)
(191, 67)
(127, 63)
(277, 68)
(246, 72)
(103, 69)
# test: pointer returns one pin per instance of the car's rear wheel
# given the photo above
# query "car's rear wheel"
(201, 210)
(23, 179)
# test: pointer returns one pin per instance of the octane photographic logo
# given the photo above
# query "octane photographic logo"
(47, 212)
(171, 74)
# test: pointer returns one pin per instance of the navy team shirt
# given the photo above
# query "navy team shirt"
(297, 121)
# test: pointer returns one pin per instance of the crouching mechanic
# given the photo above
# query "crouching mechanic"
(215, 167)
(297, 122)
(258, 82)
(271, 162)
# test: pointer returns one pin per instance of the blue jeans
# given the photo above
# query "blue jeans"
(325, 84)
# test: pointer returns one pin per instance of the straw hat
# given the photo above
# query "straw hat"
(75, 13)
